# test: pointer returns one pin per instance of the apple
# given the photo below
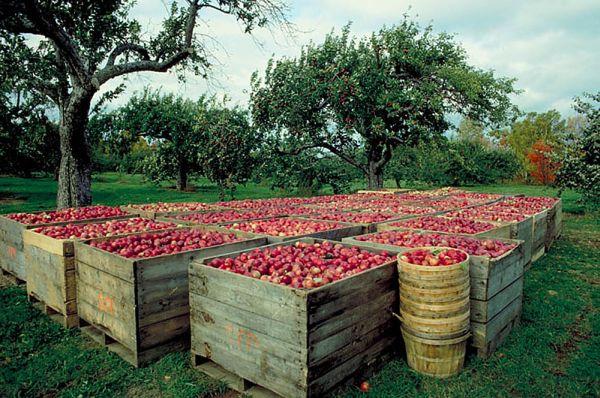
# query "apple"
(486, 214)
(66, 215)
(480, 247)
(161, 243)
(302, 265)
(107, 228)
(352, 217)
(441, 224)
(283, 226)
(164, 207)
(429, 258)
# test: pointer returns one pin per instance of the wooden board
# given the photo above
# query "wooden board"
(484, 310)
(554, 221)
(485, 333)
(538, 242)
(142, 305)
(292, 342)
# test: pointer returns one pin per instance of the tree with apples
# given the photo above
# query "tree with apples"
(85, 44)
(229, 145)
(393, 88)
(169, 121)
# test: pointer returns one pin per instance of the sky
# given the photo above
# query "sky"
(551, 47)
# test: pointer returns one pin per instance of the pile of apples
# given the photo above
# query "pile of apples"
(161, 243)
(164, 207)
(429, 258)
(448, 203)
(353, 217)
(476, 197)
(302, 265)
(399, 209)
(262, 203)
(105, 229)
(476, 247)
(441, 224)
(482, 213)
(67, 215)
(283, 226)
(525, 205)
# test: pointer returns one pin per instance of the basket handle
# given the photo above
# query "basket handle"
(397, 316)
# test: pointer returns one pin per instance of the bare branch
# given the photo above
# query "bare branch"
(111, 71)
(125, 47)
(50, 29)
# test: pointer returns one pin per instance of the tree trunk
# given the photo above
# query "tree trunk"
(75, 170)
(182, 175)
(375, 175)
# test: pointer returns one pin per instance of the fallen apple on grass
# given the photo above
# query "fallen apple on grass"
(302, 265)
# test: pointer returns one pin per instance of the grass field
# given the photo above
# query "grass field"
(554, 352)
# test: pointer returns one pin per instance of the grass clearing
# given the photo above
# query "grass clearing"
(554, 352)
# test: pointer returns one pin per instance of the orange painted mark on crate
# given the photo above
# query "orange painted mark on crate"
(105, 303)
(11, 251)
(244, 339)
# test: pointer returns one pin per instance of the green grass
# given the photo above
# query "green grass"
(554, 352)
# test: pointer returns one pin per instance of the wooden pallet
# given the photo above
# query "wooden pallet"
(294, 342)
(15, 280)
(69, 320)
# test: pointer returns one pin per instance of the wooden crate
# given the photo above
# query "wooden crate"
(156, 214)
(554, 222)
(384, 191)
(495, 283)
(538, 241)
(336, 234)
(50, 267)
(293, 342)
(501, 230)
(12, 256)
(139, 308)
(487, 337)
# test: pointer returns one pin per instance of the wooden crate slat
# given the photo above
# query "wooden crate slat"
(484, 333)
(484, 311)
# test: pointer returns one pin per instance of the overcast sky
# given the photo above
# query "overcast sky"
(551, 47)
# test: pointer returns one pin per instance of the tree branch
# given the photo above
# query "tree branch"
(330, 148)
(122, 48)
(111, 71)
(387, 155)
(50, 29)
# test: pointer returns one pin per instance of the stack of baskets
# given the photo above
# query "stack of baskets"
(435, 314)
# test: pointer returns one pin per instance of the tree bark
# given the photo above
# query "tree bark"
(75, 170)
(182, 175)
(375, 175)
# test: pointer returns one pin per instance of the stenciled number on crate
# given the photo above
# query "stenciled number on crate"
(105, 303)
(11, 251)
(243, 338)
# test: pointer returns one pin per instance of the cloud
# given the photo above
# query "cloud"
(551, 47)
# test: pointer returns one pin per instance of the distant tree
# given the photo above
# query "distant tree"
(227, 153)
(543, 166)
(84, 44)
(169, 121)
(548, 127)
(472, 131)
(580, 163)
(393, 88)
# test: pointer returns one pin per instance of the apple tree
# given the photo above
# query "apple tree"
(74, 47)
(394, 87)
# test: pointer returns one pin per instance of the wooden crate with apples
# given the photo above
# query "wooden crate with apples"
(291, 342)
(336, 233)
(138, 307)
(12, 255)
(496, 291)
(154, 210)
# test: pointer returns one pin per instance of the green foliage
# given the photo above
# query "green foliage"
(460, 162)
(169, 122)
(307, 173)
(580, 169)
(392, 88)
(548, 127)
(228, 145)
